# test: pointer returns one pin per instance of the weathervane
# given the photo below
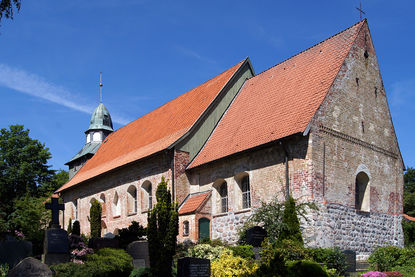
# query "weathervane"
(100, 87)
(360, 10)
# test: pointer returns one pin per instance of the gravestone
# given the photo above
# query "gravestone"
(12, 251)
(255, 236)
(56, 244)
(98, 243)
(109, 235)
(30, 267)
(193, 267)
(350, 260)
(139, 251)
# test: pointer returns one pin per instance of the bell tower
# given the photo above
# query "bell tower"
(100, 126)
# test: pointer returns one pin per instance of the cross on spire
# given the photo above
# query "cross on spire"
(361, 11)
(100, 87)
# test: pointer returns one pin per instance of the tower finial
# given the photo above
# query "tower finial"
(360, 10)
(100, 87)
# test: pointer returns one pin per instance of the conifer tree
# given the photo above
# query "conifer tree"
(70, 226)
(95, 213)
(162, 231)
(290, 224)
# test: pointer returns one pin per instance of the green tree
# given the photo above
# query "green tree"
(163, 228)
(7, 8)
(290, 225)
(409, 192)
(95, 213)
(409, 206)
(58, 179)
(23, 166)
(31, 217)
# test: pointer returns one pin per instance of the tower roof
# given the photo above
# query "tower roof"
(100, 119)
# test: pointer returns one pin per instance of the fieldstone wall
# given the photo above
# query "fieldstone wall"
(336, 225)
(226, 226)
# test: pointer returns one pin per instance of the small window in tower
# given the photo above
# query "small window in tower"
(366, 54)
(357, 81)
(363, 126)
(376, 92)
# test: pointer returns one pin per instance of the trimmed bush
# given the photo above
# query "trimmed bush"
(206, 251)
(274, 267)
(333, 258)
(71, 270)
(243, 251)
(111, 262)
(230, 265)
(141, 272)
(95, 213)
(305, 269)
(292, 250)
(134, 232)
(384, 258)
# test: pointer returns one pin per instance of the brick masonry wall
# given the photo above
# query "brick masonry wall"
(266, 170)
(353, 132)
(118, 181)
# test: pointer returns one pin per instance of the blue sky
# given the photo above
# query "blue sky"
(152, 51)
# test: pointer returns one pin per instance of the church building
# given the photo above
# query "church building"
(316, 126)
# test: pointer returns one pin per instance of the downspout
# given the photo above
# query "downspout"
(173, 192)
(287, 176)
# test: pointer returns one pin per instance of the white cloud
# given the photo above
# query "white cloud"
(36, 86)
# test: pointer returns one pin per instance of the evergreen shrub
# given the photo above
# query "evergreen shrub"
(132, 233)
(230, 265)
(162, 231)
(95, 213)
(69, 226)
(384, 258)
(290, 229)
(332, 258)
(206, 251)
(141, 272)
(305, 268)
(243, 251)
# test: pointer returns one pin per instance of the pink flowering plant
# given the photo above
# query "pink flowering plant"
(19, 235)
(79, 249)
(374, 274)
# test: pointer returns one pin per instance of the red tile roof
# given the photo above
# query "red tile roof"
(279, 101)
(154, 131)
(194, 202)
(410, 218)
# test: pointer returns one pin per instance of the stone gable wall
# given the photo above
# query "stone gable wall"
(118, 181)
(353, 132)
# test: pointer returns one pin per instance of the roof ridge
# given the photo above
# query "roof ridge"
(293, 56)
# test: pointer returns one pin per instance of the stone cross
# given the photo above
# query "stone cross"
(55, 207)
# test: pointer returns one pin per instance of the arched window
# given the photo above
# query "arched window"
(103, 205)
(147, 199)
(132, 200)
(103, 228)
(75, 209)
(362, 199)
(116, 206)
(246, 193)
(186, 228)
(223, 191)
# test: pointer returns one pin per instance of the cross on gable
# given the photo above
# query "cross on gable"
(55, 207)
(361, 11)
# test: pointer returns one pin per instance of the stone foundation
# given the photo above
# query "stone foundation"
(226, 226)
(340, 226)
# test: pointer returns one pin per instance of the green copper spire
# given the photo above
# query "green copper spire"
(101, 119)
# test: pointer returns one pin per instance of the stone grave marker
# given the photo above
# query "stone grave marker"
(98, 243)
(56, 244)
(139, 251)
(12, 251)
(30, 267)
(350, 260)
(193, 267)
(255, 236)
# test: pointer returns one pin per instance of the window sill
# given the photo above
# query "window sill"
(116, 216)
(185, 235)
(243, 211)
(131, 214)
(364, 213)
(145, 211)
(103, 216)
